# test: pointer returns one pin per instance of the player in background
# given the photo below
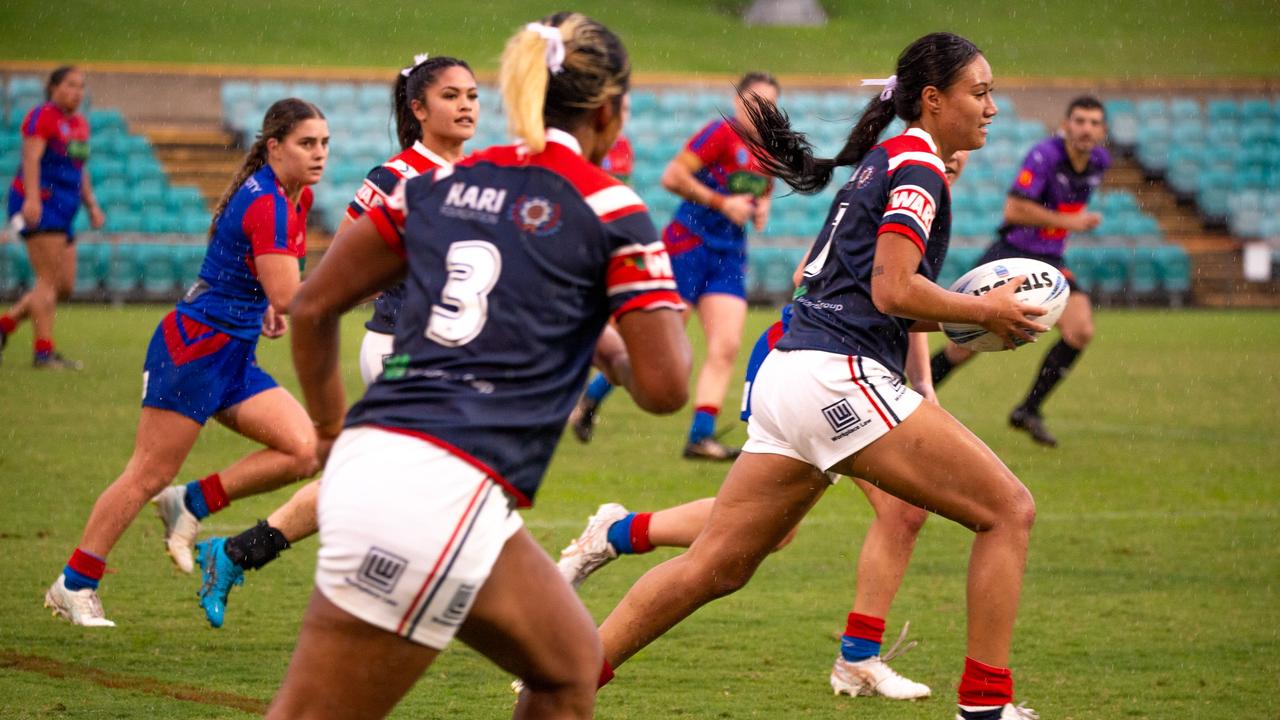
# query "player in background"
(201, 363)
(45, 196)
(436, 109)
(514, 259)
(724, 189)
(1048, 201)
(860, 668)
(830, 396)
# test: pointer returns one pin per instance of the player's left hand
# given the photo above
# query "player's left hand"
(96, 218)
(274, 324)
(760, 216)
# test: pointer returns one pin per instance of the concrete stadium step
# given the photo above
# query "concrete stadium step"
(1218, 281)
(203, 155)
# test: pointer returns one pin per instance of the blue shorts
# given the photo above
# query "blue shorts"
(196, 370)
(759, 352)
(59, 215)
(700, 270)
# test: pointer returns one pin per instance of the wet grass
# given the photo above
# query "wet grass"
(1128, 39)
(1151, 590)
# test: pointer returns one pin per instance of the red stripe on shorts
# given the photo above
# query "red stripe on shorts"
(445, 553)
(854, 376)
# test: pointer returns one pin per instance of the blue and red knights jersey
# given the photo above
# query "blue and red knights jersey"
(620, 162)
(378, 184)
(258, 220)
(515, 263)
(1047, 177)
(729, 168)
(67, 148)
(900, 187)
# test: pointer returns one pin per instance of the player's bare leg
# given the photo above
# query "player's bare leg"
(722, 318)
(760, 502)
(277, 420)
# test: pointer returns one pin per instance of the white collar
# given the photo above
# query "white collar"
(425, 152)
(920, 133)
(560, 137)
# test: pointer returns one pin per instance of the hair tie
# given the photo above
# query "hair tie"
(555, 45)
(889, 84)
(417, 60)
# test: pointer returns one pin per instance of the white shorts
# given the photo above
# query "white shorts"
(375, 348)
(408, 533)
(820, 407)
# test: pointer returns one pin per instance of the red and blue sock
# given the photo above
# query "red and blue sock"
(206, 496)
(43, 348)
(83, 570)
(984, 690)
(704, 423)
(862, 637)
(598, 389)
(630, 535)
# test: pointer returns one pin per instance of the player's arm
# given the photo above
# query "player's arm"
(659, 359)
(33, 147)
(90, 202)
(679, 179)
(358, 263)
(919, 372)
(897, 289)
(1022, 211)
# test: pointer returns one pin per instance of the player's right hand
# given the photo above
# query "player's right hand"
(1084, 221)
(32, 211)
(1010, 318)
(738, 208)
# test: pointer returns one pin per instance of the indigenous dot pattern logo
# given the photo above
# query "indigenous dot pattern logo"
(864, 176)
(536, 215)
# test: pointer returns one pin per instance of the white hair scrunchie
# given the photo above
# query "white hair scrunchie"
(889, 84)
(555, 45)
(417, 60)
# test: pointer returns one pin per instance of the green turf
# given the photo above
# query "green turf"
(1151, 590)
(1127, 39)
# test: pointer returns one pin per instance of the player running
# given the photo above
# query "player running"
(201, 363)
(514, 259)
(436, 108)
(724, 188)
(830, 397)
(860, 669)
(44, 198)
(1048, 201)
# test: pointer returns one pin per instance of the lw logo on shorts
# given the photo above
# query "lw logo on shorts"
(840, 415)
(381, 569)
(456, 611)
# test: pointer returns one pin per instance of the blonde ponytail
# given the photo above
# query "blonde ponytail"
(523, 81)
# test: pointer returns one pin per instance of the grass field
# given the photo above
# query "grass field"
(1127, 39)
(1151, 590)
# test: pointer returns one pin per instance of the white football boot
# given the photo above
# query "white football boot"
(180, 526)
(81, 607)
(873, 676)
(591, 550)
(1009, 712)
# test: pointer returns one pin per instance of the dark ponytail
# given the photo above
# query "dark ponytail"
(933, 60)
(412, 84)
(281, 118)
(55, 79)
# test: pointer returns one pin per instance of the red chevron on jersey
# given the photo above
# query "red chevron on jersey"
(914, 147)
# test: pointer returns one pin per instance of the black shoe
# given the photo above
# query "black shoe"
(710, 449)
(1024, 419)
(55, 361)
(583, 419)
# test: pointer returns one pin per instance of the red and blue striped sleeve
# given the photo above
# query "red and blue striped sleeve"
(710, 142)
(41, 122)
(388, 219)
(639, 274)
(266, 224)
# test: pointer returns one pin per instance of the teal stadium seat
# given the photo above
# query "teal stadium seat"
(15, 268)
(1144, 272)
(124, 269)
(187, 261)
(157, 270)
(92, 260)
(1175, 269)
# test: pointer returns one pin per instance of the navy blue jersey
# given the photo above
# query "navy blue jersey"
(900, 187)
(516, 261)
(378, 184)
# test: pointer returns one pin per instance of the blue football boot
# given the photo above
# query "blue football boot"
(220, 575)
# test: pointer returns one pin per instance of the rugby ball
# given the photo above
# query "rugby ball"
(1044, 286)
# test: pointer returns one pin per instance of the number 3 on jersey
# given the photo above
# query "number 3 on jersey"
(474, 267)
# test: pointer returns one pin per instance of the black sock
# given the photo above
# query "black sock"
(1056, 365)
(941, 366)
(256, 546)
